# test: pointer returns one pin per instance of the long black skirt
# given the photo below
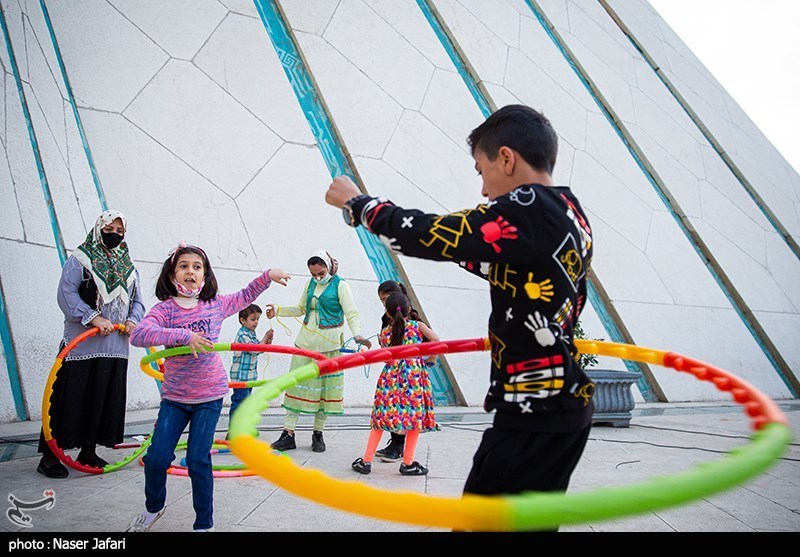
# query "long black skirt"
(87, 407)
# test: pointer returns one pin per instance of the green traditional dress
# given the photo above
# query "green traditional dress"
(326, 307)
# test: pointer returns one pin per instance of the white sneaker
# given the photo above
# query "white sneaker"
(142, 522)
(205, 529)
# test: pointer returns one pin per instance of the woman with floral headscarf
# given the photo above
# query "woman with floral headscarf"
(326, 302)
(99, 287)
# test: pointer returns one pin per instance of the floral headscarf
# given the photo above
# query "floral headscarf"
(112, 269)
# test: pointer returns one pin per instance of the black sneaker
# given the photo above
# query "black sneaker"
(361, 467)
(317, 442)
(413, 469)
(285, 442)
(396, 440)
(55, 470)
(393, 453)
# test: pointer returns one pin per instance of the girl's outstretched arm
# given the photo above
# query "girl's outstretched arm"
(292, 311)
(234, 303)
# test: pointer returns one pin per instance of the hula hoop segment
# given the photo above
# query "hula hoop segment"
(48, 431)
(145, 363)
(219, 471)
(528, 511)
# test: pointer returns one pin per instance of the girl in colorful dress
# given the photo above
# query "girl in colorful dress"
(326, 302)
(403, 396)
(190, 313)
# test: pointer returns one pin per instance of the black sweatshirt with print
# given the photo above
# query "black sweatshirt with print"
(534, 246)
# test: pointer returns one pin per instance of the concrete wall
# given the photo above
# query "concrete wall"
(195, 132)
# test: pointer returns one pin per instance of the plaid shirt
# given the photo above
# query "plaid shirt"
(244, 366)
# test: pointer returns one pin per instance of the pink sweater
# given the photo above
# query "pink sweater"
(188, 379)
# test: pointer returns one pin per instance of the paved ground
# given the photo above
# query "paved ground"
(662, 439)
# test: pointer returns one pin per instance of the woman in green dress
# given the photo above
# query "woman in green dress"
(326, 303)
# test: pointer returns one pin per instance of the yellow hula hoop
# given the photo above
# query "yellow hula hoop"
(528, 511)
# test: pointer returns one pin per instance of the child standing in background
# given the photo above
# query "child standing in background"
(393, 451)
(245, 364)
(190, 313)
(403, 395)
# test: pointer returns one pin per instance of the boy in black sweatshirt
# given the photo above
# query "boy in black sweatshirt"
(533, 243)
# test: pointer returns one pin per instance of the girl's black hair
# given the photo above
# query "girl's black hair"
(398, 307)
(388, 287)
(166, 290)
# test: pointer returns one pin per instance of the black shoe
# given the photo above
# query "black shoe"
(361, 467)
(393, 453)
(91, 460)
(413, 469)
(56, 470)
(285, 442)
(396, 441)
(317, 442)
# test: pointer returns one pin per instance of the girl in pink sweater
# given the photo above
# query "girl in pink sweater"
(190, 314)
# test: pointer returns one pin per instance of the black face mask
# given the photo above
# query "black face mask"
(111, 239)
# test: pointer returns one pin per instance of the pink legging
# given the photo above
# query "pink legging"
(412, 436)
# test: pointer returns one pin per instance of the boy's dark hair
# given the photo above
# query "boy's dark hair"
(398, 307)
(164, 287)
(249, 310)
(522, 129)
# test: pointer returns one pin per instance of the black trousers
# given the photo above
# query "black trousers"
(509, 462)
(87, 407)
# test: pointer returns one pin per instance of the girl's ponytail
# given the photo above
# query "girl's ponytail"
(397, 307)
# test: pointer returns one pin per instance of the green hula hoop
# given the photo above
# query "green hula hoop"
(528, 511)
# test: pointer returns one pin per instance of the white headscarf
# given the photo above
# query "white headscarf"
(326, 257)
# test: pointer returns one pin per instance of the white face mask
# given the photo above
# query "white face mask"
(184, 292)
(324, 280)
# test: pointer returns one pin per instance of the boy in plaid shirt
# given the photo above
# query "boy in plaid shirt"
(244, 366)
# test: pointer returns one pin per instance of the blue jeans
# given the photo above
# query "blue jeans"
(236, 399)
(172, 420)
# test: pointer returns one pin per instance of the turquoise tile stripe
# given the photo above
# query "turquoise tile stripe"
(100, 195)
(724, 284)
(455, 57)
(332, 152)
(5, 328)
(597, 302)
(11, 361)
(48, 198)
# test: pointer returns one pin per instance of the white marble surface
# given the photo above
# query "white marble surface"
(197, 135)
(239, 57)
(731, 225)
(191, 116)
(763, 166)
(365, 114)
(110, 60)
(36, 323)
(196, 20)
(165, 200)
